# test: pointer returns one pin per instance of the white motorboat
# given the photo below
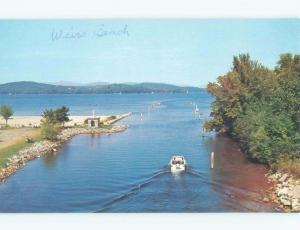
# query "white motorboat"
(196, 109)
(177, 164)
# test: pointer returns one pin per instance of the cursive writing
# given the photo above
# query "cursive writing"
(99, 31)
(102, 31)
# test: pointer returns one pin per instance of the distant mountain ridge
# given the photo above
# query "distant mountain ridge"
(71, 83)
(29, 87)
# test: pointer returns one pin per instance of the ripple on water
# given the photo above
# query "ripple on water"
(126, 172)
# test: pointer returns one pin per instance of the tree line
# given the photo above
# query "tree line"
(260, 107)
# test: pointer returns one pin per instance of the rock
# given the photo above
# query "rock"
(266, 199)
(41, 148)
(287, 191)
(283, 178)
(277, 175)
(296, 191)
(295, 205)
(285, 201)
(282, 191)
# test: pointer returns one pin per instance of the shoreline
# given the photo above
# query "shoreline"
(284, 188)
(35, 121)
(285, 191)
(44, 147)
(41, 148)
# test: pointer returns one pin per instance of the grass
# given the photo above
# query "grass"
(103, 126)
(289, 166)
(16, 146)
(20, 143)
(77, 126)
(7, 127)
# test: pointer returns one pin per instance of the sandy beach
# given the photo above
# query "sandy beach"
(35, 121)
(21, 127)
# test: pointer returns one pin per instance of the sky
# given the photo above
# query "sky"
(181, 52)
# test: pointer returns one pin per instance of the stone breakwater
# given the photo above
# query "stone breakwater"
(286, 191)
(118, 117)
(41, 148)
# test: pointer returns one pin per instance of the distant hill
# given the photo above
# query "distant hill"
(28, 87)
(70, 83)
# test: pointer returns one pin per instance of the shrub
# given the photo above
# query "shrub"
(57, 116)
(49, 130)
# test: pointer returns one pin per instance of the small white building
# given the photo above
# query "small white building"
(93, 122)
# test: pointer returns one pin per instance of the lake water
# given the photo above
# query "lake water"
(127, 172)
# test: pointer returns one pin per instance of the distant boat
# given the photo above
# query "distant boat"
(196, 109)
(155, 104)
(203, 132)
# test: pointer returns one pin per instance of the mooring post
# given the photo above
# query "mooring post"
(212, 160)
(203, 132)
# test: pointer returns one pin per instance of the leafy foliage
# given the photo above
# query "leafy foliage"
(62, 114)
(49, 115)
(6, 112)
(57, 116)
(49, 130)
(260, 107)
(52, 118)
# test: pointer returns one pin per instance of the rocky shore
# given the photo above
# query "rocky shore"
(285, 191)
(41, 148)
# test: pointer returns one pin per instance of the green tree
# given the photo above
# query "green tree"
(49, 115)
(62, 115)
(49, 130)
(6, 112)
(57, 116)
(260, 107)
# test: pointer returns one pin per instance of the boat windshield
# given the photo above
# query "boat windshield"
(175, 162)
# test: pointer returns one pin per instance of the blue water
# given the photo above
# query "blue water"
(127, 172)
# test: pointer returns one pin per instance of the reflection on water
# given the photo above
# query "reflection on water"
(240, 180)
(128, 172)
(49, 160)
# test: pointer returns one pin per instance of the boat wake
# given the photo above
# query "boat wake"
(194, 172)
(133, 190)
(227, 190)
(230, 193)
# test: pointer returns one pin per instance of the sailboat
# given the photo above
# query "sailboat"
(196, 109)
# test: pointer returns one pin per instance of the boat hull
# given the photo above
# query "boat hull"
(175, 169)
(177, 164)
